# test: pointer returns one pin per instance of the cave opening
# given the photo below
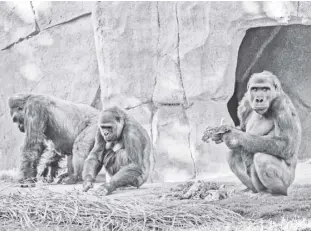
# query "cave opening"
(286, 52)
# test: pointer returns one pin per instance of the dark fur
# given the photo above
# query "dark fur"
(128, 166)
(70, 126)
(283, 143)
(49, 163)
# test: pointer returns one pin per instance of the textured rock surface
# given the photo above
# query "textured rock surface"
(172, 65)
(192, 55)
(16, 21)
(60, 61)
(171, 145)
(52, 13)
(126, 35)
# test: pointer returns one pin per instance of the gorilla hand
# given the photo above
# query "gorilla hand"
(105, 189)
(232, 138)
(217, 138)
(216, 133)
(87, 183)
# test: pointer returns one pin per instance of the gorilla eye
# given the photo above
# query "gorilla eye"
(266, 89)
(19, 108)
(254, 89)
(118, 119)
(108, 128)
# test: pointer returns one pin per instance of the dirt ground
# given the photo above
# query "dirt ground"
(278, 210)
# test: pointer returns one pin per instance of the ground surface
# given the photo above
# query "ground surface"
(265, 211)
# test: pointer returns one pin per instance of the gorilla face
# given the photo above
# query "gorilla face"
(111, 125)
(17, 114)
(262, 92)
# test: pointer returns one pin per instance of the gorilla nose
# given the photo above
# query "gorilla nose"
(14, 119)
(106, 133)
(259, 100)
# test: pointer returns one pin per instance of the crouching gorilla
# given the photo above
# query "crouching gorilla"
(123, 147)
(264, 149)
(70, 126)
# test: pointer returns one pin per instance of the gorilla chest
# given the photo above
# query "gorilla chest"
(259, 125)
(115, 146)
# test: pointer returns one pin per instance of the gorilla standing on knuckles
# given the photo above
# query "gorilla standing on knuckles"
(264, 150)
(123, 147)
(70, 126)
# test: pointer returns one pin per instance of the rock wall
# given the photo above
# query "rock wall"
(177, 62)
(172, 65)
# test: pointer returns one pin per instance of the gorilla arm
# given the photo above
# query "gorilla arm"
(94, 162)
(285, 141)
(35, 123)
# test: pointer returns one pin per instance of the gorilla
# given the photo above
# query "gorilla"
(123, 147)
(264, 149)
(70, 126)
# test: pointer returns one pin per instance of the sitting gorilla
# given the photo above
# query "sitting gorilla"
(123, 147)
(70, 126)
(264, 150)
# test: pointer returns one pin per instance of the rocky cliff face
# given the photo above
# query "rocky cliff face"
(172, 65)
(176, 62)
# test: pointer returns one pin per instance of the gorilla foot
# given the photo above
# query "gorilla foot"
(70, 180)
(246, 190)
(279, 192)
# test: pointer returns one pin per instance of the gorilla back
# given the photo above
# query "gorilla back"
(70, 126)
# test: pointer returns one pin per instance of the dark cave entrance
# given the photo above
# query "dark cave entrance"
(286, 52)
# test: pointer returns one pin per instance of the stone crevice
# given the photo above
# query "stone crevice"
(185, 100)
(154, 108)
(34, 33)
(37, 28)
(35, 17)
(70, 20)
(138, 105)
(3, 113)
(158, 53)
(195, 171)
(96, 97)
(153, 137)
(39, 81)
(170, 104)
(178, 59)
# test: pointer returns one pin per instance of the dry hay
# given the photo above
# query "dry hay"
(50, 208)
(209, 191)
